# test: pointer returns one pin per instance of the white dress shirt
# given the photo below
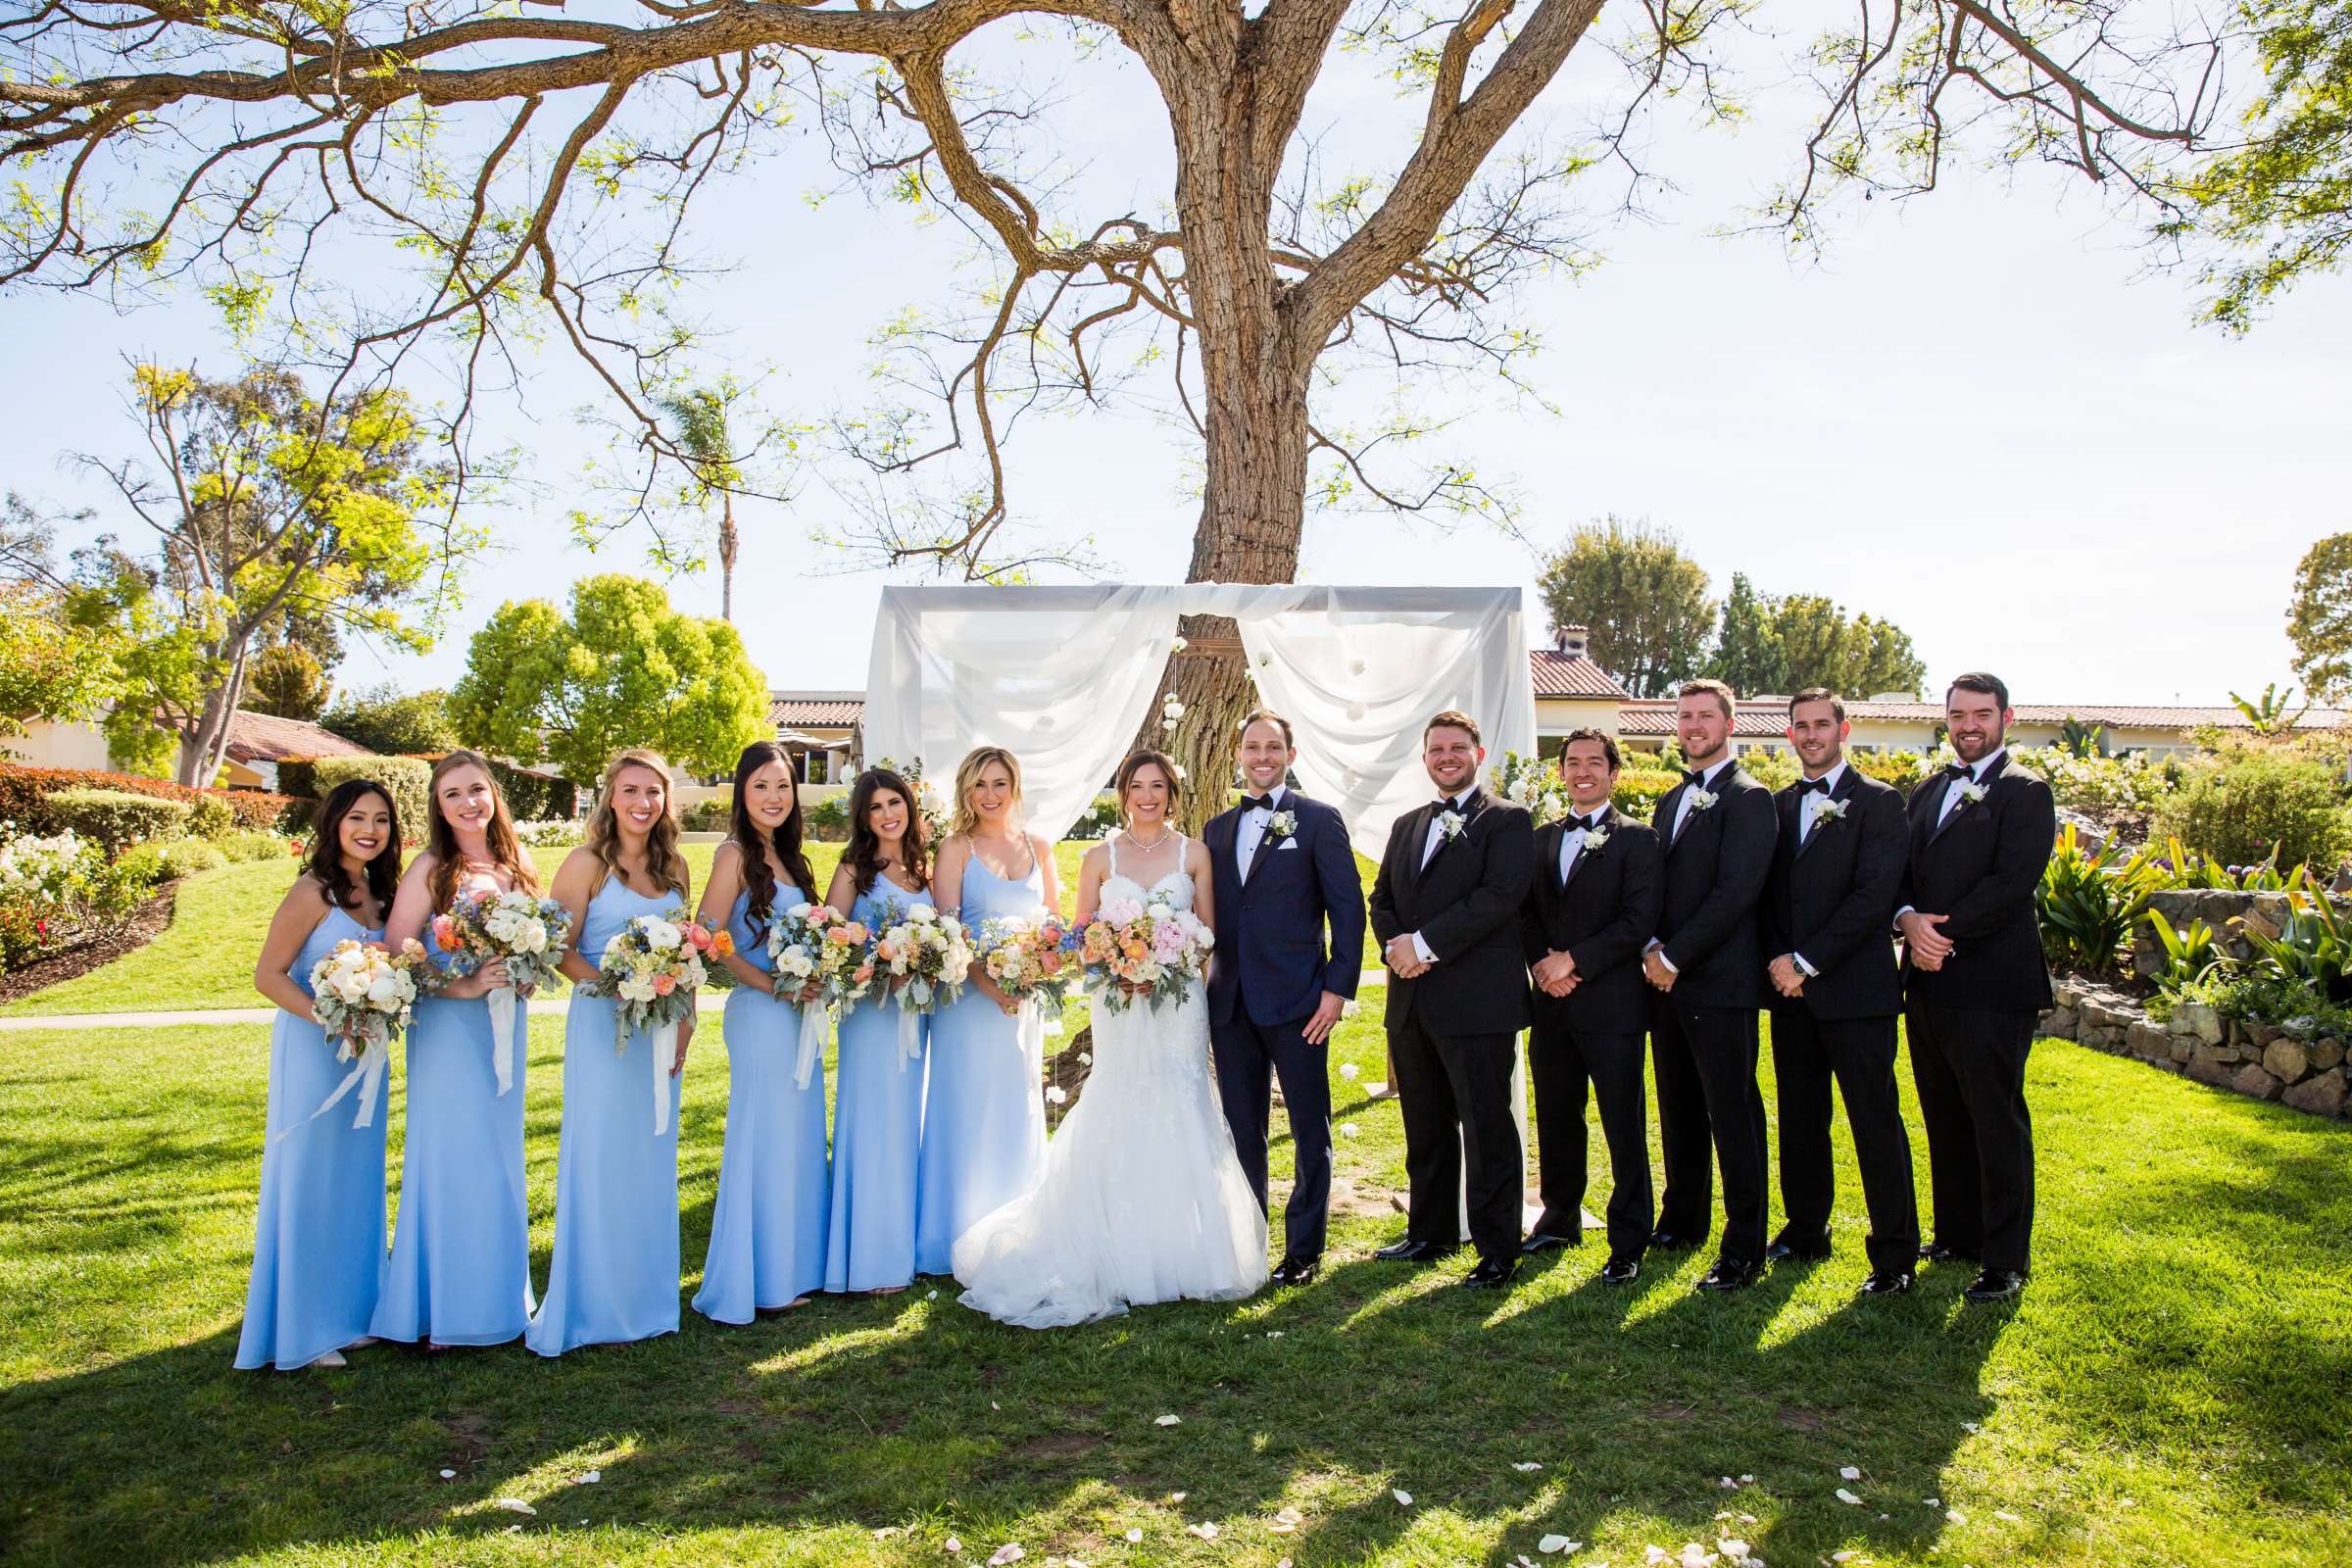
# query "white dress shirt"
(1572, 843)
(1429, 846)
(1682, 813)
(1252, 831)
(1808, 808)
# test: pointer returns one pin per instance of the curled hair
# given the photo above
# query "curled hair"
(327, 849)
(441, 839)
(1136, 762)
(864, 856)
(663, 856)
(966, 820)
(758, 880)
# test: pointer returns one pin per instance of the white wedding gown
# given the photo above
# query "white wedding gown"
(1144, 1199)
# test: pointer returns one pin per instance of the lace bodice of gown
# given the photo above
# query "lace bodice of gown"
(1176, 886)
(1170, 1041)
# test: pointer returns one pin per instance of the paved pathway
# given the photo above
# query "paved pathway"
(229, 1015)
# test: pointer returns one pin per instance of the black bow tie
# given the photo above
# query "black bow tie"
(1585, 824)
(1959, 770)
(1259, 802)
(1812, 786)
(1454, 805)
(1697, 780)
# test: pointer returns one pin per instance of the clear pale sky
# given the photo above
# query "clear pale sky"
(1977, 417)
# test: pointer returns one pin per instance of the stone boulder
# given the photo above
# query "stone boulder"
(2252, 1080)
(2198, 1021)
(2327, 1052)
(2211, 1065)
(2147, 1040)
(2322, 1094)
(2287, 1061)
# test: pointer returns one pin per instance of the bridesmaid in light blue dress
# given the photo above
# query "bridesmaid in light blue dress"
(984, 1116)
(613, 1276)
(767, 1229)
(878, 1095)
(460, 1268)
(319, 1238)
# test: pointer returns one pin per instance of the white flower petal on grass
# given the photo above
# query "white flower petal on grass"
(1169, 1421)
(932, 1296)
(1523, 1466)
(1276, 1334)
(1696, 1555)
(1847, 1555)
(1207, 1532)
(1726, 1484)
(1847, 1497)
(1972, 1426)
(886, 1532)
(513, 1505)
(1748, 1479)
(1932, 1502)
(1850, 1473)
(1177, 1497)
(1404, 1499)
(2006, 1516)
(1955, 1516)
(1290, 1516)
(449, 1474)
(1552, 1544)
(588, 1478)
(1135, 1538)
(952, 1546)
(1009, 1553)
(1732, 1548)
(1349, 1129)
(1348, 1069)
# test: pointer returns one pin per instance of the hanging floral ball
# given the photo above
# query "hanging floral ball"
(1355, 709)
(1168, 724)
(1172, 709)
(1177, 645)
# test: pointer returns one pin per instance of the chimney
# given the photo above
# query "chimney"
(1569, 641)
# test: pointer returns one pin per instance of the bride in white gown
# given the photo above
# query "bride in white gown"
(1144, 1199)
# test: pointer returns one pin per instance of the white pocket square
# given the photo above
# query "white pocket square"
(1289, 844)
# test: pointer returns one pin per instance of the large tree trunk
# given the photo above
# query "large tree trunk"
(726, 556)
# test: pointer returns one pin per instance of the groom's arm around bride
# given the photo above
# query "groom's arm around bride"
(1284, 875)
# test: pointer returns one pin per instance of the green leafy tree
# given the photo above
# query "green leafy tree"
(1645, 602)
(1883, 660)
(624, 668)
(264, 505)
(1747, 651)
(1784, 643)
(49, 667)
(286, 680)
(392, 723)
(2318, 623)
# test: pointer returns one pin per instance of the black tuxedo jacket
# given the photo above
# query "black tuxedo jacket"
(1602, 916)
(1714, 879)
(1466, 907)
(1833, 897)
(1981, 866)
(1271, 962)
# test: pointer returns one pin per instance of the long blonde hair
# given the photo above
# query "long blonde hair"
(968, 773)
(663, 856)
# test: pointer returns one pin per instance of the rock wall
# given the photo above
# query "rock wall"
(2290, 1062)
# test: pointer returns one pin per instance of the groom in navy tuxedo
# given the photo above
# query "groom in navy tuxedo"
(1283, 871)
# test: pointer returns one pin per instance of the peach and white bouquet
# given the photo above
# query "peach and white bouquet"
(1027, 956)
(484, 925)
(652, 969)
(922, 958)
(363, 995)
(815, 947)
(1143, 950)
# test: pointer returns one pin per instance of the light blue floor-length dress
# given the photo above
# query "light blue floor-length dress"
(613, 1276)
(319, 1236)
(767, 1228)
(877, 1132)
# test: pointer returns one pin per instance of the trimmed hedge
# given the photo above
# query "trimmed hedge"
(115, 818)
(531, 797)
(208, 818)
(23, 789)
(406, 778)
(160, 861)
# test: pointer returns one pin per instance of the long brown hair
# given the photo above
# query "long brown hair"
(1137, 761)
(327, 849)
(663, 856)
(757, 879)
(864, 856)
(441, 839)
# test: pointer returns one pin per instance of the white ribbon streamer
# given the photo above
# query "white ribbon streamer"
(910, 1036)
(1031, 1034)
(663, 1038)
(501, 1035)
(366, 1076)
(813, 1043)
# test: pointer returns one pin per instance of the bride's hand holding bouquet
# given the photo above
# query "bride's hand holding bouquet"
(1143, 950)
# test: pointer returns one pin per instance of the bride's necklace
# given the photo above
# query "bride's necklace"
(1140, 845)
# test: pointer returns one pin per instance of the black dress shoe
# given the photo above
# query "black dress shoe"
(1621, 1271)
(1546, 1240)
(1296, 1270)
(1732, 1274)
(1782, 1251)
(1491, 1273)
(1887, 1282)
(1994, 1284)
(1409, 1251)
(1671, 1242)
(1939, 1253)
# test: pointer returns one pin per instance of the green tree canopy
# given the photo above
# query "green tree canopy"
(49, 667)
(394, 723)
(1784, 643)
(1643, 600)
(624, 668)
(2318, 623)
(287, 681)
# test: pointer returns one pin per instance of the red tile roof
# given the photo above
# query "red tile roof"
(1559, 674)
(1768, 715)
(266, 738)
(800, 708)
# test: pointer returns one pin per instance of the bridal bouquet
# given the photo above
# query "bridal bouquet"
(1143, 950)
(363, 995)
(1026, 956)
(816, 944)
(922, 958)
(652, 968)
(528, 932)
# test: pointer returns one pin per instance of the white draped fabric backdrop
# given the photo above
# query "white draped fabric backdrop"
(1063, 676)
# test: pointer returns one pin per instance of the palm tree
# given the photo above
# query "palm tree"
(700, 415)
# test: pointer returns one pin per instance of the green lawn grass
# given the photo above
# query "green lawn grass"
(205, 959)
(2175, 1388)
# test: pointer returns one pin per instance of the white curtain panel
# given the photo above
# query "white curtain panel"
(1063, 675)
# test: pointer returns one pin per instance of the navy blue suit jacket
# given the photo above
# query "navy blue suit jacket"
(1272, 964)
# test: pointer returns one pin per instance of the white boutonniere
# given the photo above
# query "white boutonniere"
(1970, 792)
(1595, 840)
(1829, 810)
(1452, 825)
(1281, 826)
(1701, 800)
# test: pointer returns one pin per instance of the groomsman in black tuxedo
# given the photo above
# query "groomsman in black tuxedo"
(1719, 828)
(1836, 877)
(1446, 907)
(1598, 882)
(1981, 832)
(1284, 871)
